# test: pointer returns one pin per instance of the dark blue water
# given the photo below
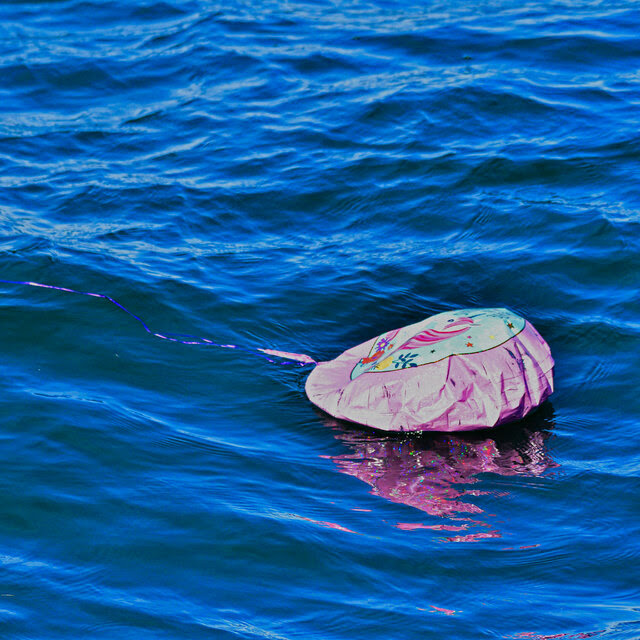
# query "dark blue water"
(304, 176)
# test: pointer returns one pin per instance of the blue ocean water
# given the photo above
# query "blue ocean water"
(303, 175)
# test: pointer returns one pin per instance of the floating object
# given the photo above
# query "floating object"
(455, 371)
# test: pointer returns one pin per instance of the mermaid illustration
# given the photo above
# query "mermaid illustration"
(427, 337)
(431, 336)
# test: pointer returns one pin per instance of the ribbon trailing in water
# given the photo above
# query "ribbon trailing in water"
(287, 358)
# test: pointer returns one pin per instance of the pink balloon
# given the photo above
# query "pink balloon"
(455, 371)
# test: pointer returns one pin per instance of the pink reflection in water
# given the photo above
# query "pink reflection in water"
(321, 523)
(447, 612)
(433, 473)
(411, 526)
(529, 635)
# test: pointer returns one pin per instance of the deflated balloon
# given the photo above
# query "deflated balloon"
(455, 371)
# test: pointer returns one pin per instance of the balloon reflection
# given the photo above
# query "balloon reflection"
(438, 473)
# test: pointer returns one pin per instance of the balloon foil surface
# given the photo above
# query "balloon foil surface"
(455, 371)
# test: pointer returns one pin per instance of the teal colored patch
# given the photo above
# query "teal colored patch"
(460, 332)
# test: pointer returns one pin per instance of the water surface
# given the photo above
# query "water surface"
(304, 176)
